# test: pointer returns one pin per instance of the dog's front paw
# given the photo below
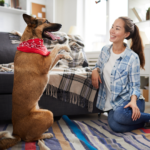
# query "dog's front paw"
(40, 142)
(42, 145)
(58, 46)
(62, 47)
(67, 48)
(68, 57)
(50, 135)
(46, 130)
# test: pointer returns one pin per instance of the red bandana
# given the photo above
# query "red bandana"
(33, 46)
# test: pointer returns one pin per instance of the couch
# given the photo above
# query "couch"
(59, 108)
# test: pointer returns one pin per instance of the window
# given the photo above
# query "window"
(99, 19)
(95, 25)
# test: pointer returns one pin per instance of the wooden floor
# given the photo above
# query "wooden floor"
(103, 116)
(92, 116)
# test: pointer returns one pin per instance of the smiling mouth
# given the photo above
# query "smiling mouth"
(112, 36)
(47, 33)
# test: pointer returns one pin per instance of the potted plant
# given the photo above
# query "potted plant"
(148, 14)
(2, 2)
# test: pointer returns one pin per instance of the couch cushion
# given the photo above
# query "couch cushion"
(7, 49)
(6, 82)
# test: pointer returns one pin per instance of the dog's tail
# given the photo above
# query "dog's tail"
(7, 140)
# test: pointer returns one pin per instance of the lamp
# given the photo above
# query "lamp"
(72, 30)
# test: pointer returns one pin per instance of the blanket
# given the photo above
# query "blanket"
(72, 85)
(68, 81)
(7, 67)
(87, 135)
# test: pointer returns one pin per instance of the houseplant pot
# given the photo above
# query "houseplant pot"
(2, 2)
(148, 14)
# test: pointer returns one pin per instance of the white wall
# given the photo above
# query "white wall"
(80, 17)
(66, 13)
(117, 8)
(50, 10)
(69, 14)
(9, 22)
(58, 11)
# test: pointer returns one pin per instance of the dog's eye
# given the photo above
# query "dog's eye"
(46, 21)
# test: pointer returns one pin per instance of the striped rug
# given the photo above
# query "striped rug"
(87, 135)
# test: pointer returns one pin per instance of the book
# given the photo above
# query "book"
(17, 3)
(136, 14)
(14, 3)
(140, 14)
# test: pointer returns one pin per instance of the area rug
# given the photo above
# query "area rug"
(87, 135)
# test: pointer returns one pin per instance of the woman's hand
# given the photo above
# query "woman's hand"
(96, 78)
(135, 110)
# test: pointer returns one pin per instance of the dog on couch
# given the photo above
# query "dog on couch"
(30, 79)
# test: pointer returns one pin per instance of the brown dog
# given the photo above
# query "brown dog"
(30, 79)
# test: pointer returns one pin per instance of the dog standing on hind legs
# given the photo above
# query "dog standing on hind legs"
(30, 79)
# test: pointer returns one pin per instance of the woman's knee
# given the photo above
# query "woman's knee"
(112, 123)
(116, 127)
(123, 115)
(141, 105)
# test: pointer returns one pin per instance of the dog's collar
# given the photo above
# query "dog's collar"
(33, 46)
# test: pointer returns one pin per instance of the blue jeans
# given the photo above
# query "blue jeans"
(120, 119)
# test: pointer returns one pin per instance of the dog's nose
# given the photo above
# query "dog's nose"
(59, 25)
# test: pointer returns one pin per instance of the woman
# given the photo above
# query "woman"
(118, 71)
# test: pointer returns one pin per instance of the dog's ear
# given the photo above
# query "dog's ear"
(30, 20)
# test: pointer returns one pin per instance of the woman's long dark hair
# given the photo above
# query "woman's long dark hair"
(137, 44)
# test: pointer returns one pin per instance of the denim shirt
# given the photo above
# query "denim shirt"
(124, 80)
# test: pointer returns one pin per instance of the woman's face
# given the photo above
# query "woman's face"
(117, 32)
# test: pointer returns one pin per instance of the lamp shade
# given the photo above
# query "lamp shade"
(72, 30)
